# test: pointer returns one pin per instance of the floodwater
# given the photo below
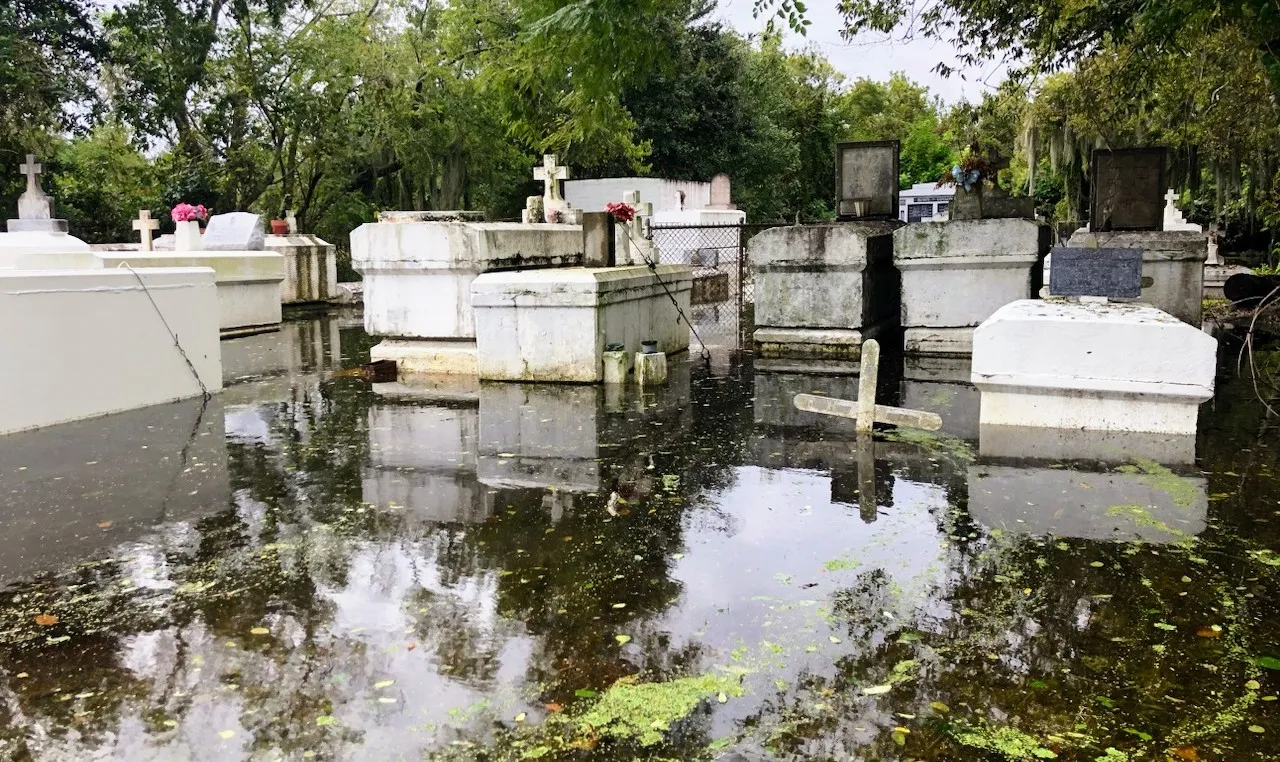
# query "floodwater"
(314, 567)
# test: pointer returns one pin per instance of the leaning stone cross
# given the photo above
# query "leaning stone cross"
(864, 410)
(291, 218)
(144, 225)
(550, 173)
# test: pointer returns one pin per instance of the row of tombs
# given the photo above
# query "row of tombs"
(459, 451)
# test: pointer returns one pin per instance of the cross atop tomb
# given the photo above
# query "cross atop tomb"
(634, 231)
(1171, 197)
(292, 219)
(864, 410)
(32, 171)
(551, 173)
(144, 225)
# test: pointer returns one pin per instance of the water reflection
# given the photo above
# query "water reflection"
(349, 571)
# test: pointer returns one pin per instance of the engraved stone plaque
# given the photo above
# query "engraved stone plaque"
(1127, 190)
(1113, 273)
(867, 180)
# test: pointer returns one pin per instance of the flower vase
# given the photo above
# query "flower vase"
(186, 236)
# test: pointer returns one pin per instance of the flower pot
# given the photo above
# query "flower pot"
(279, 227)
(648, 347)
(186, 236)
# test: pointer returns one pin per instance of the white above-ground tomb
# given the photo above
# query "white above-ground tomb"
(1114, 367)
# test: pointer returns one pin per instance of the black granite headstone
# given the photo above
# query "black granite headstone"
(867, 180)
(1113, 273)
(1127, 188)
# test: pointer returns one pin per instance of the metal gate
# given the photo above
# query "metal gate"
(723, 298)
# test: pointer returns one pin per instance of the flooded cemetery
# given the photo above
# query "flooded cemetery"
(312, 566)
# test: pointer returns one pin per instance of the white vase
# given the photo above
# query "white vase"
(186, 236)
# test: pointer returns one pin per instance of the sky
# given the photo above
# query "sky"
(873, 56)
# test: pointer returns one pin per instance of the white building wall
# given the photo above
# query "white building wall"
(592, 195)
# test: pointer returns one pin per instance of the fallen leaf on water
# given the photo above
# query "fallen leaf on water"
(722, 697)
(260, 631)
(622, 639)
(105, 524)
(1256, 729)
(939, 707)
(59, 639)
(520, 717)
(384, 684)
(1253, 685)
(44, 620)
(325, 719)
(585, 693)
(1096, 564)
(1209, 632)
(171, 723)
(876, 690)
(225, 734)
(386, 700)
(833, 639)
(553, 707)
(22, 675)
(1187, 753)
(619, 605)
(412, 646)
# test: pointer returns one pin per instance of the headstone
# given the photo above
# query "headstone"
(534, 212)
(599, 244)
(145, 225)
(864, 410)
(35, 209)
(1110, 273)
(639, 248)
(867, 180)
(1173, 218)
(291, 218)
(721, 193)
(1127, 190)
(550, 174)
(234, 231)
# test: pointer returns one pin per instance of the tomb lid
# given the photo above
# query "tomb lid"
(1127, 189)
(867, 180)
(431, 215)
(1111, 273)
(234, 231)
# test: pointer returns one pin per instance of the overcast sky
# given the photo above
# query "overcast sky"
(873, 57)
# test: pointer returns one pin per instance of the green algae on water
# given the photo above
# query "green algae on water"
(644, 711)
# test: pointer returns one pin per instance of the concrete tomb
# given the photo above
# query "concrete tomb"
(1172, 266)
(418, 276)
(956, 274)
(822, 289)
(310, 265)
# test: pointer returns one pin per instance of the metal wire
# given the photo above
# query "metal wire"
(190, 366)
(653, 267)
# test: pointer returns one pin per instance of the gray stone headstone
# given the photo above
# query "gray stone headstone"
(599, 244)
(721, 192)
(867, 180)
(234, 231)
(1127, 188)
(1113, 273)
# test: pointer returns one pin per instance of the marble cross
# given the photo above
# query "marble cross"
(32, 171)
(291, 217)
(1171, 197)
(144, 225)
(636, 235)
(864, 410)
(551, 173)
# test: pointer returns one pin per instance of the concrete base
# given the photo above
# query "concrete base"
(426, 357)
(1215, 277)
(311, 268)
(1098, 367)
(651, 369)
(813, 343)
(91, 342)
(248, 281)
(822, 289)
(553, 325)
(956, 274)
(1172, 267)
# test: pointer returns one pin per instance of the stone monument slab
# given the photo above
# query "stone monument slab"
(1127, 189)
(599, 244)
(1111, 273)
(867, 180)
(721, 192)
(234, 231)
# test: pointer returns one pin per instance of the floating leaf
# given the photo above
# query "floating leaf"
(171, 723)
(1267, 662)
(44, 620)
(722, 697)
(833, 639)
(225, 734)
(619, 605)
(1096, 564)
(1213, 631)
(939, 707)
(383, 684)
(585, 693)
(876, 690)
(521, 717)
(1187, 753)
(59, 639)
(1256, 729)
(325, 719)
(1253, 685)
(622, 639)
(386, 700)
(105, 524)
(553, 707)
(1166, 626)
(260, 631)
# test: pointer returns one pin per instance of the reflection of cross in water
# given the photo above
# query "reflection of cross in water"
(866, 413)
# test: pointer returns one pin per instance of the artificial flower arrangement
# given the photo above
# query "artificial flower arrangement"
(974, 169)
(185, 212)
(622, 212)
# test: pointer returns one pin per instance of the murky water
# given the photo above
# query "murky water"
(314, 567)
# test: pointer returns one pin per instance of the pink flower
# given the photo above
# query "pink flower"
(185, 212)
(621, 212)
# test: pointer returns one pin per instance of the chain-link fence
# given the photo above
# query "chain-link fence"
(723, 290)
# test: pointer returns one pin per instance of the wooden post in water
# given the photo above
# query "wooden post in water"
(870, 374)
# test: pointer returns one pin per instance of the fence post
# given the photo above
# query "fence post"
(742, 265)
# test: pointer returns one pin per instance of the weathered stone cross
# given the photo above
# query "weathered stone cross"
(864, 410)
(1171, 197)
(635, 236)
(32, 171)
(551, 173)
(144, 225)
(291, 217)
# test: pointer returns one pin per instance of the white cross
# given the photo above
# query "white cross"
(635, 236)
(551, 173)
(291, 218)
(144, 225)
(864, 410)
(1171, 197)
(32, 171)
